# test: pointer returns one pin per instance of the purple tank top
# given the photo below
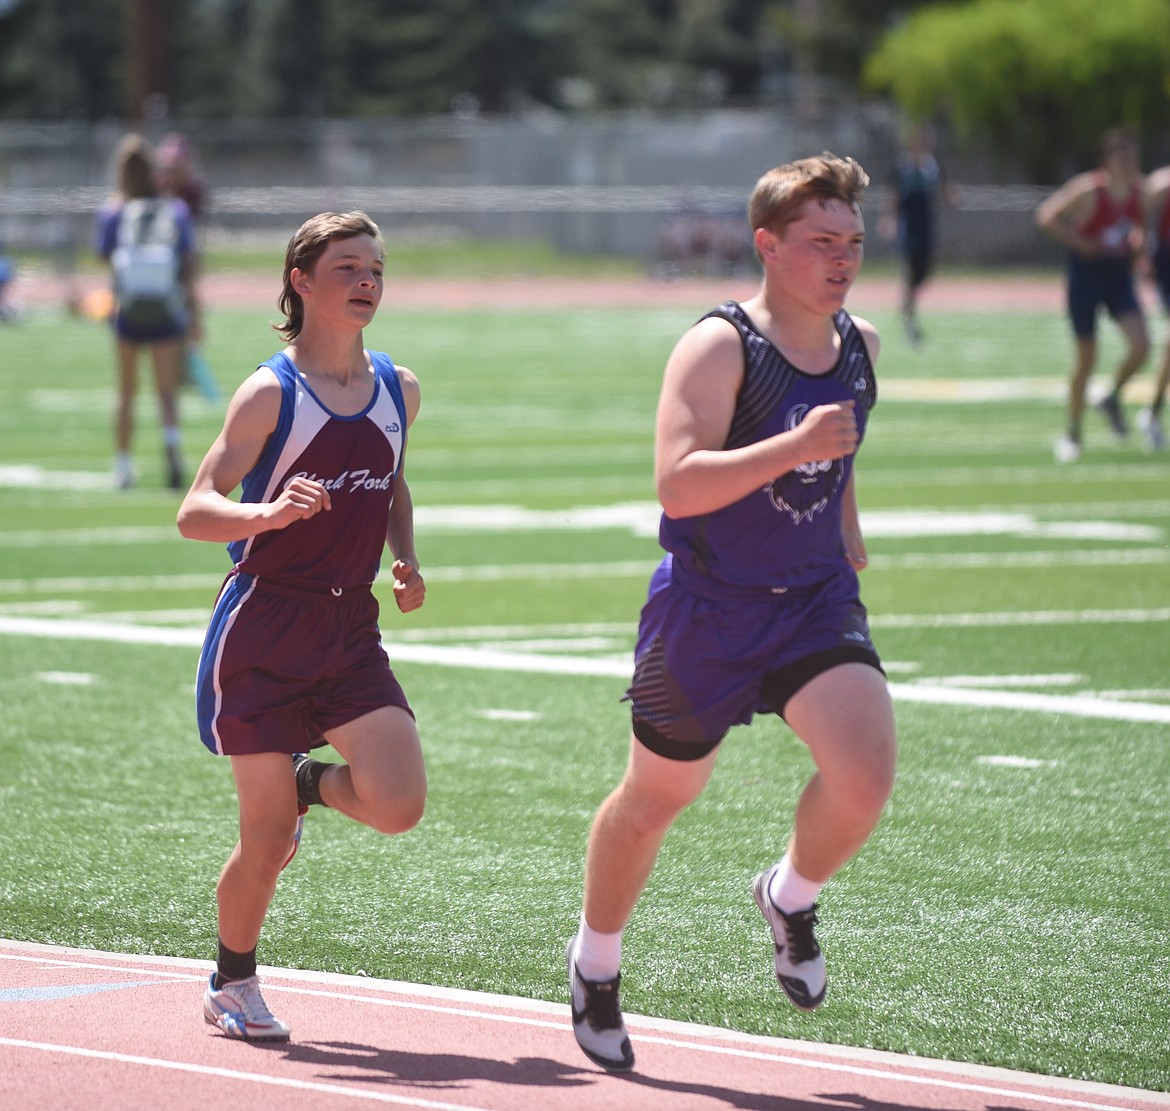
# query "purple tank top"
(788, 533)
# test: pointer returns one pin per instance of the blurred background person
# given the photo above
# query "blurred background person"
(8, 309)
(178, 175)
(1100, 217)
(1149, 420)
(149, 242)
(911, 217)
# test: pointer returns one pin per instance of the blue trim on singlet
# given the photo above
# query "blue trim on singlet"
(256, 481)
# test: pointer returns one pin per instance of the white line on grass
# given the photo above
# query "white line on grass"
(640, 518)
(1092, 557)
(32, 477)
(510, 715)
(1014, 762)
(66, 678)
(1010, 618)
(604, 667)
(1062, 679)
(110, 584)
(629, 568)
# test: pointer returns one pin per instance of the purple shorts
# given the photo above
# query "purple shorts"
(710, 657)
(281, 667)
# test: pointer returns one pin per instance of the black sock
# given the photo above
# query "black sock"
(230, 965)
(309, 774)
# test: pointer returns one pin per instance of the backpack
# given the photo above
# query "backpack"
(146, 266)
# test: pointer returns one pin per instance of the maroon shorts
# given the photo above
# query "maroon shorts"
(281, 667)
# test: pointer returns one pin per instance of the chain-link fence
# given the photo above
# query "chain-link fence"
(668, 190)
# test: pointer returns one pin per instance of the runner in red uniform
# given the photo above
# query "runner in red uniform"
(1158, 204)
(1099, 217)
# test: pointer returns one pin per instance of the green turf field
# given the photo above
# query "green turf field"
(1012, 908)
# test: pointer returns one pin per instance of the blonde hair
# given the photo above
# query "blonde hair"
(303, 251)
(778, 196)
(134, 168)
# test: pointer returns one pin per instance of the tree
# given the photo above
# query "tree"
(833, 38)
(60, 59)
(1042, 79)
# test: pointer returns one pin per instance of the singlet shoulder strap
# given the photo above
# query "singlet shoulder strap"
(387, 374)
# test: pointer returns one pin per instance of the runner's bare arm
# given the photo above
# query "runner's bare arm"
(207, 513)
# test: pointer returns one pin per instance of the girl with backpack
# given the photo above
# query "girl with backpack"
(149, 243)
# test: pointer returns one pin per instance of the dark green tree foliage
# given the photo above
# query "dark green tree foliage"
(401, 57)
(60, 59)
(836, 36)
(296, 51)
(211, 48)
(271, 58)
(1040, 78)
(295, 58)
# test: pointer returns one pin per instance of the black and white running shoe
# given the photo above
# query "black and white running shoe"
(800, 966)
(597, 1020)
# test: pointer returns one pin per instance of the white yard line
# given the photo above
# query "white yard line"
(614, 667)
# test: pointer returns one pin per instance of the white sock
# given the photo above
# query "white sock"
(598, 956)
(172, 437)
(789, 890)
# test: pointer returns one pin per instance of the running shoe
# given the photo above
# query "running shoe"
(125, 477)
(301, 762)
(1151, 428)
(174, 468)
(597, 1019)
(1110, 406)
(239, 1010)
(800, 967)
(1066, 450)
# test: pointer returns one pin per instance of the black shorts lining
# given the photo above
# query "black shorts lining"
(779, 686)
(672, 750)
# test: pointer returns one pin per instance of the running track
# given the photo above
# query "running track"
(106, 1032)
(102, 1031)
(1005, 292)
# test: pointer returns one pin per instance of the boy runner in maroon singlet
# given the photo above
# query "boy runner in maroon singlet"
(293, 657)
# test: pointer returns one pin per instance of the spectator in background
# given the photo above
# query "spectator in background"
(910, 219)
(178, 176)
(8, 310)
(1158, 206)
(1100, 217)
(149, 243)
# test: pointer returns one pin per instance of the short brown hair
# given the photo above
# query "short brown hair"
(778, 196)
(306, 247)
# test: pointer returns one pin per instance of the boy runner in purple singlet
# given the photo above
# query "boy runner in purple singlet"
(755, 607)
(293, 658)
